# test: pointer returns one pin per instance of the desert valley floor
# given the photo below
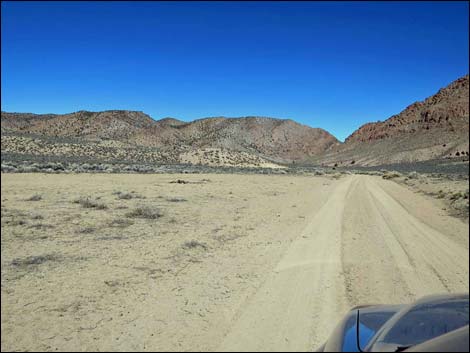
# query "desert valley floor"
(213, 262)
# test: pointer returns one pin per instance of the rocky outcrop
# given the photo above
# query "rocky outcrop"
(434, 128)
(446, 111)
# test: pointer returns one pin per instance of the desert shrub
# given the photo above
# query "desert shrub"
(87, 203)
(41, 226)
(145, 212)
(176, 199)
(111, 237)
(120, 223)
(34, 260)
(179, 181)
(35, 197)
(86, 230)
(8, 168)
(457, 195)
(173, 220)
(125, 196)
(390, 175)
(192, 244)
(17, 222)
(28, 169)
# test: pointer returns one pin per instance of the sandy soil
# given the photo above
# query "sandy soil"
(230, 262)
(453, 194)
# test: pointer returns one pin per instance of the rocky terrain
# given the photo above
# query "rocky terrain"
(129, 135)
(430, 131)
(435, 128)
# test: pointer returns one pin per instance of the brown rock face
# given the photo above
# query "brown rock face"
(434, 128)
(446, 111)
(275, 139)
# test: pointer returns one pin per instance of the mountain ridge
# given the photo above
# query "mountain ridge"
(283, 140)
(434, 128)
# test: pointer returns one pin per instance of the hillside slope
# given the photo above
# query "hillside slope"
(434, 128)
(274, 139)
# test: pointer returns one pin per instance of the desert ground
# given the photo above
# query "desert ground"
(98, 262)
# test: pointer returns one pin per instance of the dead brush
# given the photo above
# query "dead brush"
(16, 222)
(125, 196)
(128, 195)
(88, 203)
(86, 230)
(35, 197)
(34, 260)
(390, 175)
(41, 226)
(145, 212)
(120, 223)
(176, 199)
(193, 244)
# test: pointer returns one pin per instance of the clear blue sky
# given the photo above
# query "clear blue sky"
(334, 65)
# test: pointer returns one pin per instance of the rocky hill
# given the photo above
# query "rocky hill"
(167, 140)
(434, 128)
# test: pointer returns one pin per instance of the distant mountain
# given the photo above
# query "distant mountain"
(274, 139)
(437, 127)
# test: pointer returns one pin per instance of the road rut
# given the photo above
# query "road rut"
(362, 246)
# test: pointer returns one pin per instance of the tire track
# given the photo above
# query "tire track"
(439, 263)
(361, 247)
(372, 269)
(307, 286)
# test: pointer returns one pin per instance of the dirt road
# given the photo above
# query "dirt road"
(363, 246)
(234, 262)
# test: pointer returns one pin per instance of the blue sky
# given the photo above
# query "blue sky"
(335, 65)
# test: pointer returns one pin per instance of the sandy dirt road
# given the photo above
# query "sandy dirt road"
(363, 245)
(236, 262)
